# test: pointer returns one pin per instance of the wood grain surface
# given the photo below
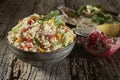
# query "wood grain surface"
(79, 65)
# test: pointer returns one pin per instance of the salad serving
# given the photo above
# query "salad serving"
(41, 33)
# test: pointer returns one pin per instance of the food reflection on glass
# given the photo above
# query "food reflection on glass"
(41, 33)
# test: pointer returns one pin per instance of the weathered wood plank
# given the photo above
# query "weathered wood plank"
(3, 28)
(78, 66)
(58, 71)
(21, 12)
(3, 59)
(43, 7)
(8, 9)
(7, 16)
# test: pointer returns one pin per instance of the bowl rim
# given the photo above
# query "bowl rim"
(42, 53)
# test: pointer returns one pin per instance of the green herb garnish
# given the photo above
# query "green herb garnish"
(37, 41)
(101, 18)
(80, 10)
(51, 15)
(58, 21)
(16, 28)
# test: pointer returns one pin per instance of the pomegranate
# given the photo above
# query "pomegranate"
(98, 44)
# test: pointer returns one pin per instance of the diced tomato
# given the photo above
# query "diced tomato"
(66, 30)
(64, 25)
(28, 39)
(52, 36)
(28, 46)
(22, 48)
(24, 30)
(32, 20)
(20, 20)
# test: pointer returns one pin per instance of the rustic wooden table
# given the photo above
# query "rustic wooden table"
(79, 65)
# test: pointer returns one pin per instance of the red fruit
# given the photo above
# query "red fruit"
(64, 27)
(24, 30)
(28, 39)
(66, 30)
(100, 45)
(32, 20)
(20, 20)
(28, 46)
(22, 48)
(52, 36)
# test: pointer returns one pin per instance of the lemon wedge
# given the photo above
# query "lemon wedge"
(111, 30)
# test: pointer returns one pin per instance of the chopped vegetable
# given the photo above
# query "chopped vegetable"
(52, 20)
(16, 28)
(58, 21)
(37, 42)
(97, 14)
(22, 48)
(51, 36)
(88, 10)
(30, 21)
(19, 39)
(80, 10)
(59, 36)
(65, 42)
(66, 30)
(28, 46)
(51, 15)
(24, 30)
(20, 20)
(28, 39)
(101, 18)
(40, 21)
(41, 50)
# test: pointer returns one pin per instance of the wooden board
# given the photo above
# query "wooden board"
(79, 65)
